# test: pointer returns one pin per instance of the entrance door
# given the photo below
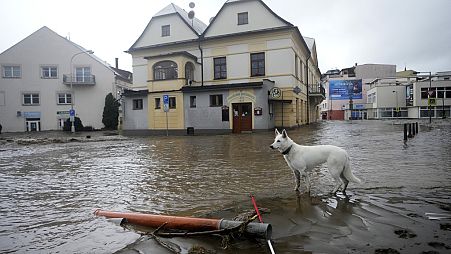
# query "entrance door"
(242, 117)
(33, 125)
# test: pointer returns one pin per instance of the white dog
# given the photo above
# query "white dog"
(303, 158)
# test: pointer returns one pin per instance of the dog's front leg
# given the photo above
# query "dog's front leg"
(297, 179)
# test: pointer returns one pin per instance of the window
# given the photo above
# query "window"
(83, 74)
(440, 92)
(165, 30)
(192, 101)
(216, 100)
(137, 104)
(157, 103)
(242, 18)
(12, 71)
(49, 72)
(189, 71)
(424, 93)
(172, 102)
(257, 64)
(30, 99)
(165, 70)
(220, 67)
(64, 98)
(296, 66)
(448, 92)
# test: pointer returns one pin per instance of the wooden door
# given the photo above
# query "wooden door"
(242, 117)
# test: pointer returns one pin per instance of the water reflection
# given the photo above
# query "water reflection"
(48, 192)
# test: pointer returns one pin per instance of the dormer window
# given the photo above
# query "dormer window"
(165, 30)
(242, 18)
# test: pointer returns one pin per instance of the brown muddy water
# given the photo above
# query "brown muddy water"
(48, 192)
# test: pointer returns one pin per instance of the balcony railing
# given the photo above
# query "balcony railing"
(79, 80)
(317, 90)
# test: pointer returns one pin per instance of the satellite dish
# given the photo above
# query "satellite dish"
(191, 5)
(191, 14)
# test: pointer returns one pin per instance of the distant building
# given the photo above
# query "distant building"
(410, 95)
(346, 91)
(38, 86)
(248, 70)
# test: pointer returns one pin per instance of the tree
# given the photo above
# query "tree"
(111, 112)
(77, 123)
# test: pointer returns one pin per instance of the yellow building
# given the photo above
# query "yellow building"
(248, 70)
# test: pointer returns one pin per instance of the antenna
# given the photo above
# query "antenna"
(191, 13)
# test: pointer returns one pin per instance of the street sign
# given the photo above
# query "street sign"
(72, 112)
(166, 103)
(431, 92)
(432, 102)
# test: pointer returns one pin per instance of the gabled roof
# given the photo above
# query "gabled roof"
(50, 32)
(228, 2)
(197, 26)
(310, 42)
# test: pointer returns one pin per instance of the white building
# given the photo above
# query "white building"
(415, 96)
(38, 86)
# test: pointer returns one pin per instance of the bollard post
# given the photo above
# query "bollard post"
(417, 127)
(413, 130)
(405, 132)
(410, 131)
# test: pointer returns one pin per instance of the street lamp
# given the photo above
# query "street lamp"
(429, 92)
(396, 110)
(72, 119)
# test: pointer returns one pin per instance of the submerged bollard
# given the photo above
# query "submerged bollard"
(410, 131)
(416, 124)
(413, 130)
(405, 132)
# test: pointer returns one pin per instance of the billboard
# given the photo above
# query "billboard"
(345, 89)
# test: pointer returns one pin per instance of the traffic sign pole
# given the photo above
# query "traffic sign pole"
(166, 109)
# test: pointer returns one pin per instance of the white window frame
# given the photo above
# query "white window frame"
(85, 76)
(137, 104)
(13, 71)
(67, 97)
(34, 99)
(47, 72)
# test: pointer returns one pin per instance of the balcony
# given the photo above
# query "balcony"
(89, 80)
(317, 94)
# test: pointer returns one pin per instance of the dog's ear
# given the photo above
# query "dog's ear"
(284, 133)
(276, 131)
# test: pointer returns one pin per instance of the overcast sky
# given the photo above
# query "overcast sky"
(409, 33)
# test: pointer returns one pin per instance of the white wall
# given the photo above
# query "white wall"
(45, 47)
(259, 17)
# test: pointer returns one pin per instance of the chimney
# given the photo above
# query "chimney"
(117, 63)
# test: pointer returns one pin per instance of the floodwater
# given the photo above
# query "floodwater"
(48, 192)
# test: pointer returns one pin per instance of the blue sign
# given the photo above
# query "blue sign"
(72, 112)
(165, 99)
(345, 89)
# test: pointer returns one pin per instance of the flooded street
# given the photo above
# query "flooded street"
(48, 192)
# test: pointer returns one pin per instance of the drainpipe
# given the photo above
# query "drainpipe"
(201, 62)
(308, 101)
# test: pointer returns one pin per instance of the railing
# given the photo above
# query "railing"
(317, 90)
(79, 80)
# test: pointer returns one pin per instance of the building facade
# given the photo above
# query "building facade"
(414, 97)
(45, 75)
(347, 90)
(219, 78)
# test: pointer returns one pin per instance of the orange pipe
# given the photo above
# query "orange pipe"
(173, 222)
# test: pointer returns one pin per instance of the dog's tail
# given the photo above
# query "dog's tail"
(348, 173)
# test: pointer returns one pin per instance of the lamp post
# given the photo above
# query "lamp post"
(72, 118)
(429, 92)
(396, 110)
